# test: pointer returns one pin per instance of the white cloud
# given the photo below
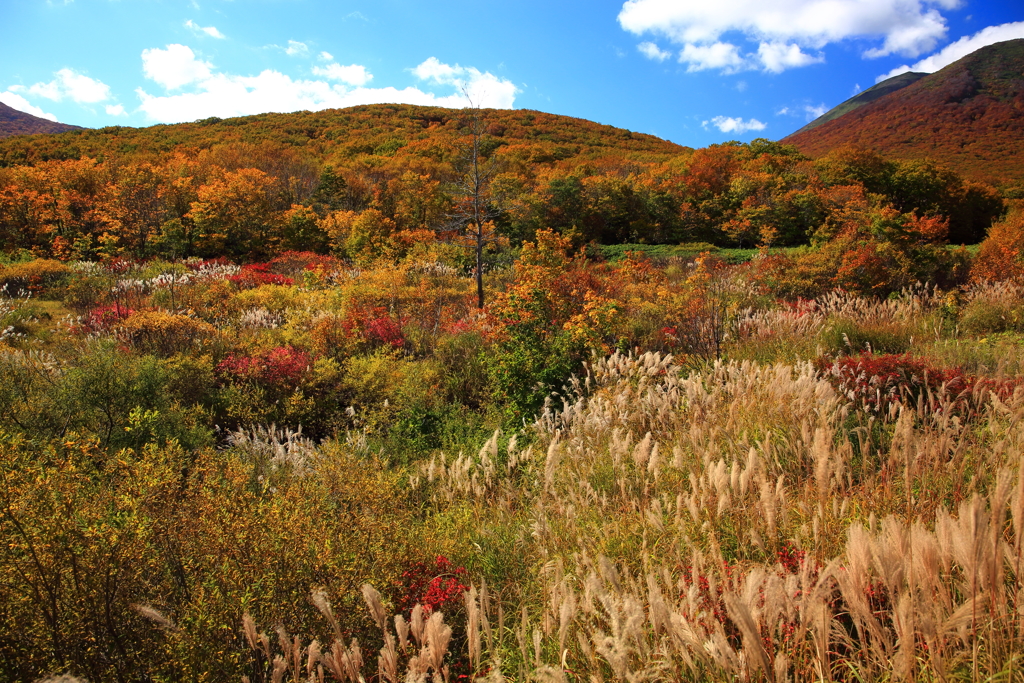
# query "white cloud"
(807, 111)
(777, 57)
(433, 69)
(652, 51)
(296, 48)
(115, 110)
(174, 66)
(728, 124)
(483, 89)
(895, 72)
(208, 30)
(961, 48)
(814, 112)
(71, 85)
(785, 28)
(326, 56)
(225, 95)
(16, 101)
(723, 56)
(354, 74)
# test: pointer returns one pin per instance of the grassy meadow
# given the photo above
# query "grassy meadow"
(627, 466)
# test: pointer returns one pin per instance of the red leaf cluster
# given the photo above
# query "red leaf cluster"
(283, 366)
(436, 586)
(256, 274)
(874, 383)
(102, 318)
(293, 263)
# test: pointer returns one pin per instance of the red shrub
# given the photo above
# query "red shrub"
(436, 586)
(791, 558)
(103, 318)
(385, 330)
(874, 383)
(283, 366)
(292, 263)
(374, 325)
(710, 602)
(256, 274)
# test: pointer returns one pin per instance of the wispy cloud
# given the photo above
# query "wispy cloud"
(16, 101)
(481, 87)
(725, 57)
(652, 51)
(729, 124)
(174, 66)
(814, 111)
(68, 84)
(961, 48)
(353, 74)
(295, 48)
(204, 30)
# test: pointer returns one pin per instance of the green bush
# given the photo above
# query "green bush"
(843, 336)
(987, 316)
(122, 401)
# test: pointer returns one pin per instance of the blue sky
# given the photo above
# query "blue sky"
(691, 71)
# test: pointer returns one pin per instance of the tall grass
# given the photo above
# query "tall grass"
(744, 523)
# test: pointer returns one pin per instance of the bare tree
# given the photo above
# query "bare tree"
(474, 213)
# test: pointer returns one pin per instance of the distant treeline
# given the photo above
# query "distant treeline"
(373, 181)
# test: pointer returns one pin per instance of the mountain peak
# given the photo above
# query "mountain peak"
(14, 122)
(968, 116)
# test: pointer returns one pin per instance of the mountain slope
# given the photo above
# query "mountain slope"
(14, 122)
(968, 116)
(866, 97)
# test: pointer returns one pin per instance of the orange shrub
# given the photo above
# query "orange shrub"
(1001, 255)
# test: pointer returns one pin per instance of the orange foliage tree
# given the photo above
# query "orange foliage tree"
(1001, 255)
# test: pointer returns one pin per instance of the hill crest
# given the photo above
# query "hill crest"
(367, 131)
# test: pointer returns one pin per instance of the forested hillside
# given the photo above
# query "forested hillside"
(968, 116)
(873, 93)
(371, 180)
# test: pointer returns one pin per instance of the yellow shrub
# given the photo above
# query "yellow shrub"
(163, 334)
(37, 277)
(274, 298)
